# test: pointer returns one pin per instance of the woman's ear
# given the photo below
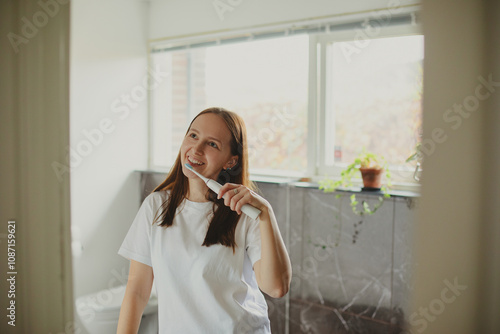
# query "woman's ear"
(231, 163)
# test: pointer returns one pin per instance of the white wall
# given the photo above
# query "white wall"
(184, 17)
(108, 60)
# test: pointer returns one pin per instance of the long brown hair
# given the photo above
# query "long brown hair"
(223, 224)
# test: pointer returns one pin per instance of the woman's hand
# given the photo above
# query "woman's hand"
(237, 195)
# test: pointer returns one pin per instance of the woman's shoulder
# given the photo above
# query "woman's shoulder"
(157, 198)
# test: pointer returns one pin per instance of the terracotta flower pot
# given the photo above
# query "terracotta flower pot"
(372, 177)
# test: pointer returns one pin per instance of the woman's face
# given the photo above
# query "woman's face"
(207, 147)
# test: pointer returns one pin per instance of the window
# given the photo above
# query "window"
(311, 102)
(372, 99)
(265, 81)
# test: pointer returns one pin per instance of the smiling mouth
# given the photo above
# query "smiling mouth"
(194, 162)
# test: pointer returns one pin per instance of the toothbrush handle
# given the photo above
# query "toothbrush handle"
(247, 209)
(250, 211)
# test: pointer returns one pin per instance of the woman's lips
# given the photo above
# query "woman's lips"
(194, 162)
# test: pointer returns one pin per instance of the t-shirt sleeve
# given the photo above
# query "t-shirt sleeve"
(253, 245)
(137, 243)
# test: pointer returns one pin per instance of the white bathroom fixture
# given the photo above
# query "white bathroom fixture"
(99, 311)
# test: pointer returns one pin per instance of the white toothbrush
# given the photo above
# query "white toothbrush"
(251, 211)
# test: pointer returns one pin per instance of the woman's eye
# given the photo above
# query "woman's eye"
(192, 135)
(214, 145)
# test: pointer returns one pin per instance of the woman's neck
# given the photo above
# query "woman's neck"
(197, 191)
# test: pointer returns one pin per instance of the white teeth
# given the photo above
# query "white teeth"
(194, 161)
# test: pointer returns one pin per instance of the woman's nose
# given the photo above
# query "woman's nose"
(198, 148)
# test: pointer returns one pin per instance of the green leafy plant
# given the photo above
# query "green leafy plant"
(416, 156)
(363, 160)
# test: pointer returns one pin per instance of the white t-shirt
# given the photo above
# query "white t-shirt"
(200, 289)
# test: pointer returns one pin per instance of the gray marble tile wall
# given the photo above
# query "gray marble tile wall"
(351, 273)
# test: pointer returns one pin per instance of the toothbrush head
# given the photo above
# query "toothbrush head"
(188, 166)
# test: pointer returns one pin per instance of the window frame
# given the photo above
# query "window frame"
(402, 177)
(317, 101)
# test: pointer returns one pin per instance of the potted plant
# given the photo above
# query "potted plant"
(372, 167)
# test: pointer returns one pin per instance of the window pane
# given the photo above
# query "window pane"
(264, 81)
(175, 101)
(374, 97)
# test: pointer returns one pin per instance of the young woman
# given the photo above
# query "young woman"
(208, 259)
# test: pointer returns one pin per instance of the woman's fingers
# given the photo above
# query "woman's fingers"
(227, 190)
(235, 196)
(224, 189)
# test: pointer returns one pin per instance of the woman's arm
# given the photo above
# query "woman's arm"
(140, 281)
(273, 271)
